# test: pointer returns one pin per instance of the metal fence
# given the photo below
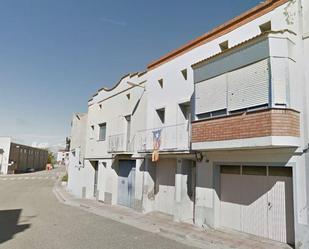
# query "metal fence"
(120, 143)
(173, 138)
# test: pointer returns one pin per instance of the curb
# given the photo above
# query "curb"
(186, 237)
(173, 233)
(161, 231)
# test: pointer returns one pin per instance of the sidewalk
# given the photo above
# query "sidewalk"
(164, 225)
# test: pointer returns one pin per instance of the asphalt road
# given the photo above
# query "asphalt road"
(32, 218)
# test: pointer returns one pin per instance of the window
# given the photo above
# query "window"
(254, 170)
(254, 108)
(100, 106)
(265, 27)
(102, 132)
(160, 83)
(224, 45)
(185, 110)
(230, 169)
(184, 74)
(161, 114)
(128, 96)
(91, 131)
(248, 86)
(280, 171)
(218, 113)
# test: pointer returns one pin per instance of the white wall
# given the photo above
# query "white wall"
(76, 174)
(5, 144)
(111, 107)
(176, 89)
(115, 105)
(78, 132)
(76, 170)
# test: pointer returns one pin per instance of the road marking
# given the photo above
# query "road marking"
(39, 177)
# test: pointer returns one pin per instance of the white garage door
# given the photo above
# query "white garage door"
(258, 200)
(165, 186)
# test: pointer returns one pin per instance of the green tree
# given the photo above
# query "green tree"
(51, 158)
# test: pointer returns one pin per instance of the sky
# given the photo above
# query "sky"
(55, 54)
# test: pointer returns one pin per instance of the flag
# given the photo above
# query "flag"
(156, 145)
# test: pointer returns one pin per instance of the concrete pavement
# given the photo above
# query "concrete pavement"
(163, 225)
(32, 218)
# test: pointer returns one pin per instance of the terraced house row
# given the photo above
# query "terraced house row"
(214, 133)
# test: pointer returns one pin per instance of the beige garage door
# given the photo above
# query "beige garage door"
(258, 200)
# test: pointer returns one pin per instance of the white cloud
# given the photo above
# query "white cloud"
(113, 21)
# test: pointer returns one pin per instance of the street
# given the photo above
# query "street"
(32, 218)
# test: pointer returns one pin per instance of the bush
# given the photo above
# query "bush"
(65, 178)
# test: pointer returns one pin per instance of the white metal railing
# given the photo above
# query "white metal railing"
(173, 138)
(120, 143)
(116, 143)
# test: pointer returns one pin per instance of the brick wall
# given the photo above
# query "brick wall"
(270, 122)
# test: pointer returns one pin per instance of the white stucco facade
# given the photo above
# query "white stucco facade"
(77, 154)
(121, 123)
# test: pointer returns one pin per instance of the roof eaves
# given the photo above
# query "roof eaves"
(221, 30)
(257, 37)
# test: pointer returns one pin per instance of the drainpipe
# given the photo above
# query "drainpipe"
(194, 190)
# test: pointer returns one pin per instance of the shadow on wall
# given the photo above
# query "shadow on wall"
(9, 224)
(151, 170)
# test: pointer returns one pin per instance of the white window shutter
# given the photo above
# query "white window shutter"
(248, 86)
(211, 94)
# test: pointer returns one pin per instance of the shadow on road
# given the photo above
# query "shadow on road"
(9, 224)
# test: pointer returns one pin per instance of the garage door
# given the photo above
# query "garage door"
(165, 186)
(258, 200)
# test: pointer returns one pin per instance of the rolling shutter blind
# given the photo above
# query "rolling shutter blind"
(211, 94)
(248, 86)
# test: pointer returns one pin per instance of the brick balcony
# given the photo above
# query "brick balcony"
(262, 123)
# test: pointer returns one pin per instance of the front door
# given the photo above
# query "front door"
(165, 186)
(280, 205)
(96, 171)
(126, 183)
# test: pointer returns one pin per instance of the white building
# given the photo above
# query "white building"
(242, 163)
(18, 158)
(5, 144)
(62, 156)
(76, 154)
(112, 165)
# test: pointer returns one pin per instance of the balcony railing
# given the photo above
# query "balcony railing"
(120, 143)
(172, 138)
